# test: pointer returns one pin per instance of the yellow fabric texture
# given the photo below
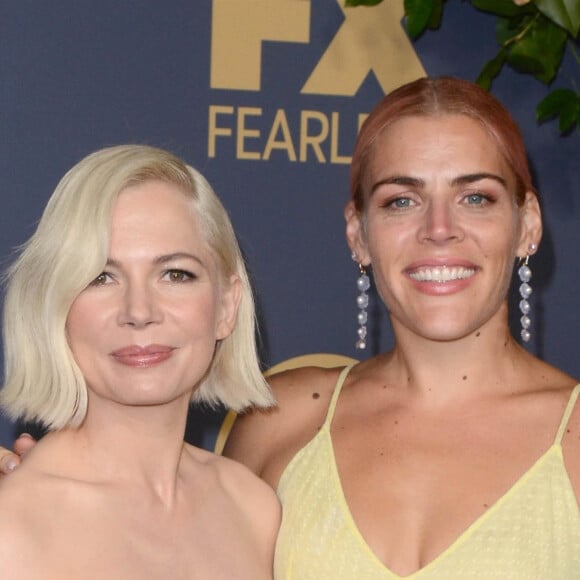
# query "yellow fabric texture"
(530, 533)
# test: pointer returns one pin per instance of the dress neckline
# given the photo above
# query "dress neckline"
(461, 538)
(555, 447)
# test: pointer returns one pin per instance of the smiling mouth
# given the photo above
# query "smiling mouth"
(442, 274)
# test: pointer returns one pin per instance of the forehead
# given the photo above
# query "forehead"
(437, 143)
(156, 214)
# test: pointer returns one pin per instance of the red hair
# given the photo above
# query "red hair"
(441, 96)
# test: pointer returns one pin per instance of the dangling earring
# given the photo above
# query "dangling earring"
(362, 301)
(525, 274)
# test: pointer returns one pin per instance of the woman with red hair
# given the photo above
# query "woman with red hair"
(457, 453)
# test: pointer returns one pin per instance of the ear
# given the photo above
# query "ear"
(231, 296)
(530, 224)
(356, 235)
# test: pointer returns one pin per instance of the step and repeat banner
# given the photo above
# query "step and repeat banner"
(265, 98)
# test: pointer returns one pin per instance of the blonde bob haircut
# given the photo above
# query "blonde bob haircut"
(69, 250)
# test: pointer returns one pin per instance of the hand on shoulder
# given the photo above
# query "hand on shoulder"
(10, 460)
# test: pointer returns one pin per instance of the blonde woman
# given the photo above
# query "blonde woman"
(131, 300)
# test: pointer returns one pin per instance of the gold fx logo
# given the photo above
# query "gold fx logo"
(371, 39)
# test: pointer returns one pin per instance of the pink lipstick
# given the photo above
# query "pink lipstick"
(142, 356)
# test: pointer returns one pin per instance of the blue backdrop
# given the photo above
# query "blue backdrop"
(265, 99)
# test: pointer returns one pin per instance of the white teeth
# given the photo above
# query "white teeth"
(443, 274)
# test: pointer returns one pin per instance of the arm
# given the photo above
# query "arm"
(266, 441)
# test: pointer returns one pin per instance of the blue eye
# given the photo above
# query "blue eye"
(476, 199)
(400, 203)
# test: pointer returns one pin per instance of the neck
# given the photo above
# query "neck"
(141, 446)
(481, 362)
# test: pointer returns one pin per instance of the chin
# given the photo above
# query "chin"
(446, 332)
(144, 395)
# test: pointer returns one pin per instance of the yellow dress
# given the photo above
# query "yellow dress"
(532, 532)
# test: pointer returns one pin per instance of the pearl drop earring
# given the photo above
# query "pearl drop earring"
(525, 274)
(363, 283)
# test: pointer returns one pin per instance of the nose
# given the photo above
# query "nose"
(140, 306)
(440, 223)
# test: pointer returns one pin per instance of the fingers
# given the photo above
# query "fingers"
(24, 443)
(8, 461)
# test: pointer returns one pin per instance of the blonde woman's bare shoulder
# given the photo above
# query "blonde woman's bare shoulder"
(227, 473)
(247, 499)
(256, 499)
(244, 485)
(235, 479)
(21, 529)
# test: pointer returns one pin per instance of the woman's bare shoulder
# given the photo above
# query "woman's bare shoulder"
(23, 488)
(17, 546)
(247, 496)
(302, 396)
(570, 400)
(22, 514)
(231, 476)
(246, 487)
(298, 387)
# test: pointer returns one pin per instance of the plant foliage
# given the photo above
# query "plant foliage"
(532, 37)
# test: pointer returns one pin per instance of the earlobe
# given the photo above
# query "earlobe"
(531, 224)
(355, 234)
(230, 303)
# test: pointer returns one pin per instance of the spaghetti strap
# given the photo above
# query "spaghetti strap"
(335, 394)
(566, 416)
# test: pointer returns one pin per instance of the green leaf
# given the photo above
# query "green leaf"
(490, 70)
(505, 8)
(507, 30)
(550, 105)
(417, 13)
(561, 103)
(532, 39)
(565, 13)
(536, 47)
(569, 116)
(352, 3)
(436, 15)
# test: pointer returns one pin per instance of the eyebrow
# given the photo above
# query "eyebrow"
(399, 180)
(473, 177)
(164, 258)
(420, 183)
